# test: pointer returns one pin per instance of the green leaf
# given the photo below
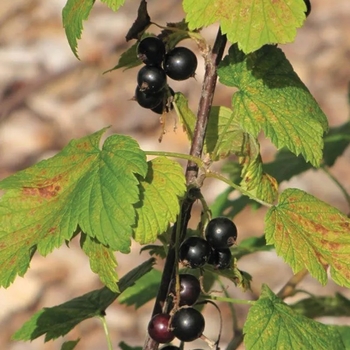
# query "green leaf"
(127, 60)
(286, 165)
(125, 346)
(240, 278)
(224, 135)
(271, 324)
(114, 4)
(336, 141)
(254, 180)
(336, 306)
(249, 23)
(144, 290)
(309, 233)
(102, 261)
(345, 334)
(251, 245)
(172, 37)
(160, 192)
(70, 345)
(82, 185)
(184, 113)
(59, 320)
(73, 15)
(272, 98)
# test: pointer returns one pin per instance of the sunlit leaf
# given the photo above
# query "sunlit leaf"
(271, 324)
(309, 233)
(249, 23)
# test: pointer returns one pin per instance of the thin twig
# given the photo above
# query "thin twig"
(289, 288)
(208, 89)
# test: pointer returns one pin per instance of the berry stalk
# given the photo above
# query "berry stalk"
(205, 102)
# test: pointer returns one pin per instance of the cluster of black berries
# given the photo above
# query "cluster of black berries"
(220, 234)
(152, 90)
(187, 323)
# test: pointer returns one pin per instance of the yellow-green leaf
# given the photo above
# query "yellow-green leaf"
(309, 233)
(160, 194)
(272, 98)
(73, 15)
(273, 325)
(102, 261)
(249, 23)
(83, 185)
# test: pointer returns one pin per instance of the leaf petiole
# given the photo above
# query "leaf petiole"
(230, 300)
(237, 187)
(105, 328)
(196, 160)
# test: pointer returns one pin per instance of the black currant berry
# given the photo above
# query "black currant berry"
(194, 252)
(220, 258)
(187, 324)
(170, 347)
(151, 51)
(180, 63)
(151, 79)
(221, 233)
(168, 105)
(189, 289)
(158, 329)
(146, 100)
(308, 7)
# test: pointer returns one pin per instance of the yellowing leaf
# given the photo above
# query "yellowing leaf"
(73, 15)
(309, 233)
(102, 261)
(160, 194)
(114, 4)
(273, 325)
(82, 185)
(186, 116)
(272, 98)
(249, 23)
(224, 135)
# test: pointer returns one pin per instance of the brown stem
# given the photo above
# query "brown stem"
(289, 288)
(205, 102)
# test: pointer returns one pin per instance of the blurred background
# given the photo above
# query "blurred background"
(48, 97)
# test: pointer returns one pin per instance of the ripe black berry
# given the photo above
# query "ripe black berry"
(221, 233)
(158, 329)
(187, 324)
(167, 105)
(220, 258)
(151, 79)
(170, 347)
(151, 51)
(194, 252)
(180, 63)
(146, 100)
(189, 289)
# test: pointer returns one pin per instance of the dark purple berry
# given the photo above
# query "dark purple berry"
(187, 324)
(158, 329)
(189, 289)
(180, 63)
(151, 79)
(194, 252)
(220, 258)
(221, 233)
(149, 101)
(151, 50)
